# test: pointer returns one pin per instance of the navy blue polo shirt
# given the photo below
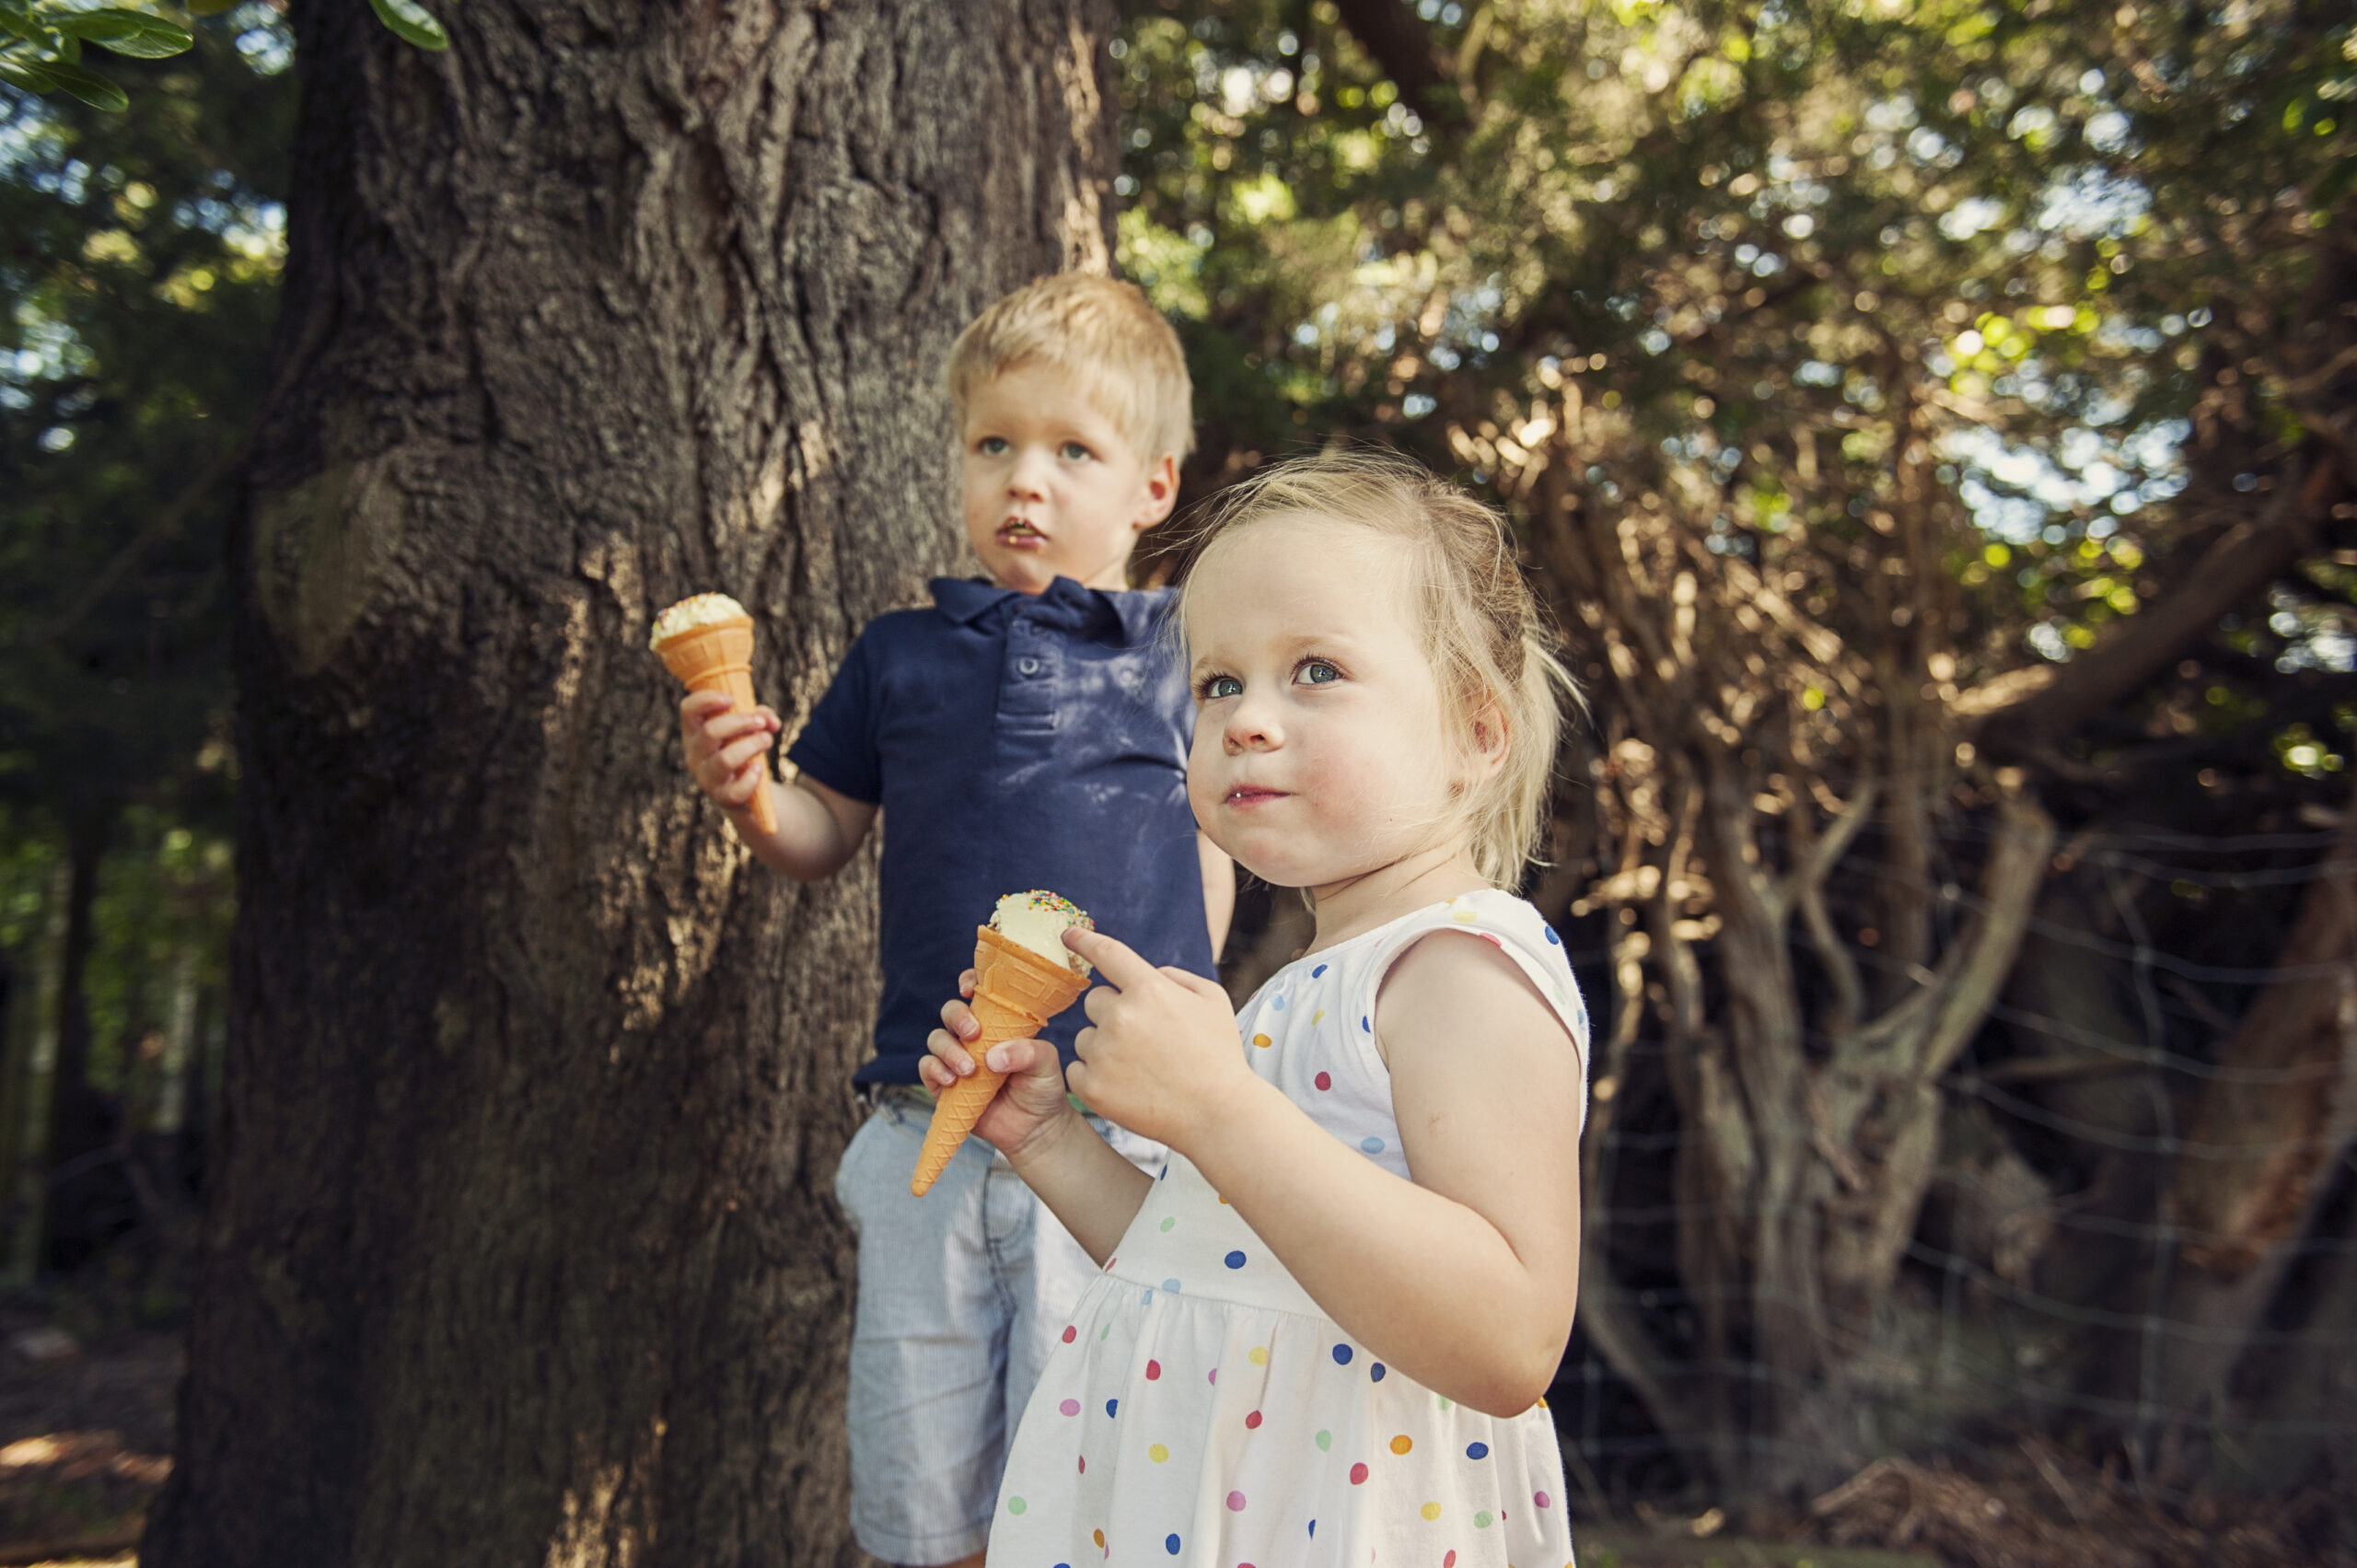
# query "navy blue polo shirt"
(1014, 741)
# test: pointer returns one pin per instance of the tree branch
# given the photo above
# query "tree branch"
(1403, 46)
(2024, 713)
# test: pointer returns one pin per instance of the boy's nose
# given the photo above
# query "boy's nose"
(1028, 478)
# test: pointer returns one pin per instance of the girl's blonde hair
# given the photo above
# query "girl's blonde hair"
(1490, 648)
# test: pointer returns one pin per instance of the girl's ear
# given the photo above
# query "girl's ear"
(1492, 734)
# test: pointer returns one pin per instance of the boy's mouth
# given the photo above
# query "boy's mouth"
(1018, 528)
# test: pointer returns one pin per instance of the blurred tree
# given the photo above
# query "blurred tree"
(139, 258)
(1910, 407)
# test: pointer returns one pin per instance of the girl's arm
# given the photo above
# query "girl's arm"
(1465, 1279)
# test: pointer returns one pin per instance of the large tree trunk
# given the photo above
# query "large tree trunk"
(521, 1248)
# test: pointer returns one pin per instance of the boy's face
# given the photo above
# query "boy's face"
(1052, 488)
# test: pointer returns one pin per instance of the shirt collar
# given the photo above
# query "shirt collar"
(1093, 612)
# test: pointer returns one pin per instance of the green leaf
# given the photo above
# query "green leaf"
(30, 74)
(136, 33)
(210, 7)
(413, 23)
(87, 85)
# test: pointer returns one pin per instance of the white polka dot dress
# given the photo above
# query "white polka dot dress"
(1202, 1411)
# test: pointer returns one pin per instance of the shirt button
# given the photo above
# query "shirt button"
(1028, 665)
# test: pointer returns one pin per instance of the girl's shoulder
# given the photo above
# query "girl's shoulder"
(1507, 924)
(1356, 969)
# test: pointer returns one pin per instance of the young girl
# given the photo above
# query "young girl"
(1323, 1336)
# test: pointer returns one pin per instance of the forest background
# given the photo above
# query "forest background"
(1933, 427)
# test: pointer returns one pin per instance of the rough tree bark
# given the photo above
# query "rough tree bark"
(522, 1249)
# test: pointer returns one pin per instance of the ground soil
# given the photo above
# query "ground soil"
(85, 1441)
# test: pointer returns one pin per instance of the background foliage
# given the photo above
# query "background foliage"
(1933, 425)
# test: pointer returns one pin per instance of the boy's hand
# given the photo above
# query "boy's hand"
(1030, 1100)
(726, 747)
(1161, 1056)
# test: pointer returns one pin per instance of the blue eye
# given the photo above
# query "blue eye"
(990, 445)
(1073, 452)
(1217, 686)
(1318, 672)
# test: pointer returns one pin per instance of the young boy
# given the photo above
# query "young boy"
(1027, 732)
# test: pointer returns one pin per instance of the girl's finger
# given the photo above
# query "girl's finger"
(946, 1051)
(1114, 962)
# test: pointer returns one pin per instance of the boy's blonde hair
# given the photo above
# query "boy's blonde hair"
(1488, 644)
(1105, 334)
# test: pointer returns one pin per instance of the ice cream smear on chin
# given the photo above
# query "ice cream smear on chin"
(697, 610)
(1037, 920)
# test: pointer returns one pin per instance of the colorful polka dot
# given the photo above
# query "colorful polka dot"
(1070, 1407)
(1170, 1285)
(1016, 1504)
(1169, 1220)
(1170, 1545)
(1464, 916)
(1084, 1463)
(1324, 1080)
(1313, 1529)
(1362, 1024)
(1263, 1042)
(1402, 1443)
(1071, 1333)
(1106, 1331)
(1552, 940)
(1235, 1502)
(1111, 1406)
(1477, 1450)
(1374, 1374)
(1318, 1016)
(1372, 1145)
(1278, 1003)
(1342, 1355)
(1234, 1259)
(1358, 1475)
(1451, 1560)
(1542, 1500)
(1432, 1511)
(1258, 1355)
(1214, 1378)
(1099, 1538)
(1152, 1370)
(1252, 1421)
(1494, 939)
(1318, 970)
(1159, 1453)
(1443, 1401)
(1325, 1441)
(1483, 1520)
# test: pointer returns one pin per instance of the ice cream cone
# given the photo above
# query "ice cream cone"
(718, 656)
(1015, 992)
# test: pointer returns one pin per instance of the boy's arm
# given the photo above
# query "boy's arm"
(818, 828)
(1219, 892)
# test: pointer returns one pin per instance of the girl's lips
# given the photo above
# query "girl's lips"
(1252, 796)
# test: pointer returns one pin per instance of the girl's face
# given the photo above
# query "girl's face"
(1319, 754)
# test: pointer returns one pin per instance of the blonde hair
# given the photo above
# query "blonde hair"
(1104, 333)
(1490, 649)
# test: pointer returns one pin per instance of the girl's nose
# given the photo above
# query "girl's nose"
(1251, 726)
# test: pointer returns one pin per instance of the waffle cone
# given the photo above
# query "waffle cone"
(718, 656)
(1015, 992)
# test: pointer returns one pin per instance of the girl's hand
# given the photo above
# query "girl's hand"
(724, 747)
(1028, 1103)
(1161, 1057)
